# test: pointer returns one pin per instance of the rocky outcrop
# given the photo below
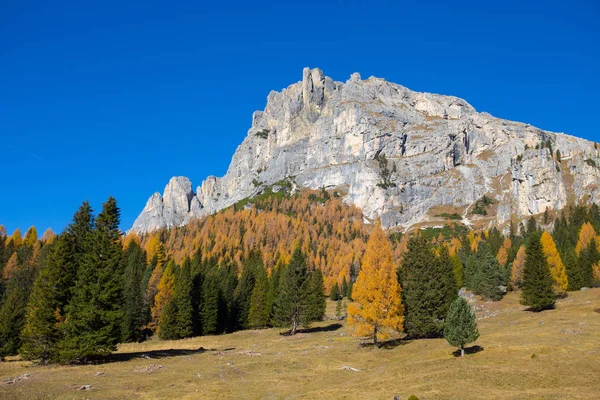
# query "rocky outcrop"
(408, 158)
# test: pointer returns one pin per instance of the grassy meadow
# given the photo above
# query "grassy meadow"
(519, 355)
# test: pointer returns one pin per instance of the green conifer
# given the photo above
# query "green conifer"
(461, 325)
(291, 300)
(260, 302)
(334, 293)
(537, 281)
(135, 311)
(315, 299)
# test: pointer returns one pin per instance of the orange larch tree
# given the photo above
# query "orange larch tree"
(557, 268)
(516, 276)
(377, 294)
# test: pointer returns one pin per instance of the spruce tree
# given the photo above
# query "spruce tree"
(245, 287)
(211, 307)
(461, 325)
(260, 301)
(291, 301)
(537, 281)
(573, 269)
(334, 293)
(491, 277)
(315, 299)
(53, 288)
(176, 319)
(349, 292)
(135, 312)
(587, 259)
(344, 289)
(429, 287)
(93, 325)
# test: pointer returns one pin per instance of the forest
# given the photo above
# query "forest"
(72, 297)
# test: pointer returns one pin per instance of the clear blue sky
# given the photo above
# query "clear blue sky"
(102, 98)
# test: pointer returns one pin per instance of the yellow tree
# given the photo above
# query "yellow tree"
(502, 256)
(166, 287)
(557, 268)
(377, 306)
(16, 238)
(516, 276)
(586, 234)
(11, 267)
(31, 236)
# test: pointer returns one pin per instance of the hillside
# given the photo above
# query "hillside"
(525, 356)
(406, 157)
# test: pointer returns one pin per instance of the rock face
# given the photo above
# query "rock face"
(408, 158)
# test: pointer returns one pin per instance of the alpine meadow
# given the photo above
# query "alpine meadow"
(365, 240)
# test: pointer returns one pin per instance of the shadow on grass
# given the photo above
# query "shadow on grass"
(328, 328)
(153, 354)
(468, 350)
(388, 344)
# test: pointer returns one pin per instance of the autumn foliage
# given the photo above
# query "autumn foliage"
(377, 294)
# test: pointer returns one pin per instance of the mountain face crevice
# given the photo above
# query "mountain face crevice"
(442, 154)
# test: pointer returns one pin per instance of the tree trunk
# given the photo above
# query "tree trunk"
(293, 331)
(375, 336)
(462, 351)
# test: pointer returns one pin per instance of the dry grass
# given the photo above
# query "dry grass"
(262, 364)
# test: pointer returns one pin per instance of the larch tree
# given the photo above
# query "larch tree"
(165, 290)
(377, 307)
(537, 281)
(31, 237)
(516, 276)
(586, 235)
(461, 325)
(557, 268)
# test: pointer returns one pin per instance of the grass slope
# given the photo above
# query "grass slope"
(262, 364)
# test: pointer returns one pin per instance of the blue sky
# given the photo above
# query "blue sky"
(102, 98)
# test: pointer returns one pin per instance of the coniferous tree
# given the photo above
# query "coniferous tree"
(428, 289)
(537, 281)
(587, 259)
(378, 305)
(135, 312)
(344, 289)
(349, 292)
(212, 308)
(315, 299)
(176, 319)
(94, 317)
(461, 325)
(291, 301)
(531, 225)
(260, 301)
(53, 289)
(13, 309)
(557, 268)
(334, 293)
(164, 294)
(245, 287)
(573, 270)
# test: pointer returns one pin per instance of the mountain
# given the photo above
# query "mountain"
(412, 159)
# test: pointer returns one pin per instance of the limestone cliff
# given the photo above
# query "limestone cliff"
(409, 158)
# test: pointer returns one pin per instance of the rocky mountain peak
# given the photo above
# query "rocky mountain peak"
(409, 158)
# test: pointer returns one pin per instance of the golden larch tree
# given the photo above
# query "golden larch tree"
(377, 307)
(502, 256)
(557, 268)
(516, 276)
(586, 234)
(166, 287)
(31, 237)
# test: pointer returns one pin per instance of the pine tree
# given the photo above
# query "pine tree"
(291, 300)
(334, 293)
(344, 290)
(378, 305)
(92, 327)
(537, 281)
(135, 311)
(492, 277)
(531, 225)
(338, 309)
(429, 287)
(461, 325)
(349, 292)
(260, 302)
(315, 299)
(557, 268)
(212, 306)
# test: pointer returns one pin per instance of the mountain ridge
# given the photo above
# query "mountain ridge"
(402, 156)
